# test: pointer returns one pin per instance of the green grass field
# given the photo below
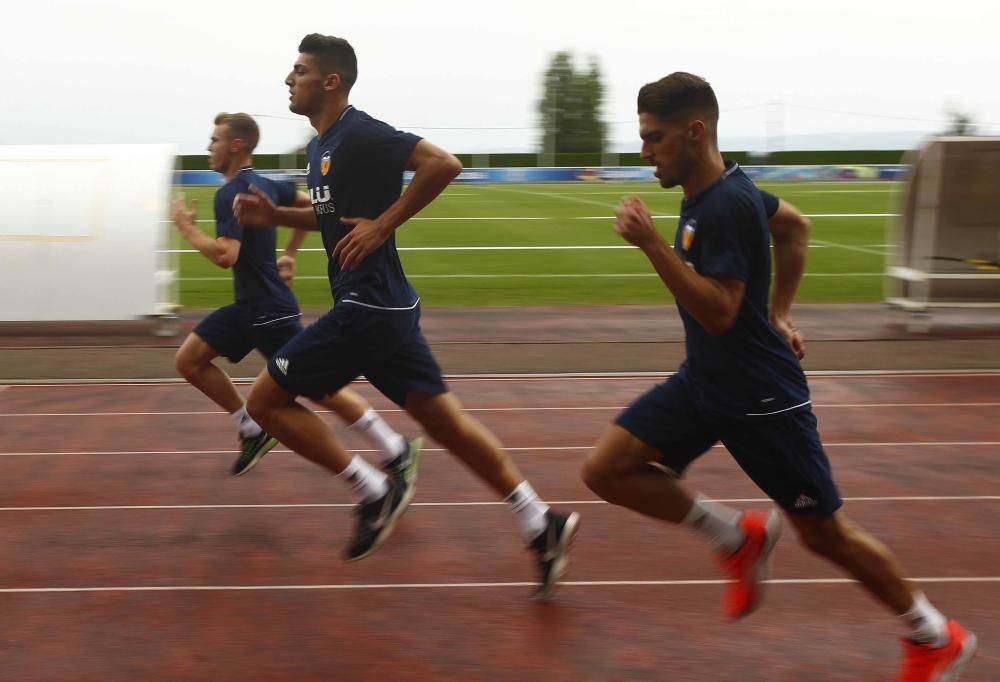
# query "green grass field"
(846, 258)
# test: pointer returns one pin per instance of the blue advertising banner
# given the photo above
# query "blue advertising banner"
(599, 174)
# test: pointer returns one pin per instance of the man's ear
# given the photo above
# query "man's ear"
(696, 129)
(332, 81)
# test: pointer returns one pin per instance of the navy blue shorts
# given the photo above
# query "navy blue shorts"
(387, 347)
(232, 333)
(783, 455)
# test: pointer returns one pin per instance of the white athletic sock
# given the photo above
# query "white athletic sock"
(248, 428)
(926, 623)
(717, 523)
(378, 431)
(529, 511)
(366, 482)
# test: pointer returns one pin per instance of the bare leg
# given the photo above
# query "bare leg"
(295, 425)
(860, 554)
(442, 417)
(346, 404)
(194, 362)
(618, 470)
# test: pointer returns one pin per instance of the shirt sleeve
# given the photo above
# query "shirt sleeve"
(286, 192)
(226, 224)
(385, 147)
(725, 246)
(770, 203)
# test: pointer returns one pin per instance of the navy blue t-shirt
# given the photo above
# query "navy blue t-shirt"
(749, 371)
(770, 203)
(356, 171)
(257, 285)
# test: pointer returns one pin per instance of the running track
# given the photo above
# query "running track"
(130, 554)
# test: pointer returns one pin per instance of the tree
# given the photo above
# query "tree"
(960, 123)
(570, 107)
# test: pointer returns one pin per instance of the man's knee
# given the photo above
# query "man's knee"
(187, 364)
(827, 537)
(265, 397)
(600, 470)
(440, 415)
(595, 475)
(192, 357)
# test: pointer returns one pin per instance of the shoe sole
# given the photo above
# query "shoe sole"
(561, 563)
(390, 524)
(268, 446)
(954, 671)
(762, 567)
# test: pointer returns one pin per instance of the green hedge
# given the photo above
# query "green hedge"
(531, 160)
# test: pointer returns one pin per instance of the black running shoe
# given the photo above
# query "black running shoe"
(375, 520)
(403, 469)
(251, 450)
(552, 549)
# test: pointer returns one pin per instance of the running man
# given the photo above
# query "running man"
(355, 176)
(741, 384)
(265, 314)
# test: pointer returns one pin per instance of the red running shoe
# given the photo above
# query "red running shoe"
(749, 566)
(925, 663)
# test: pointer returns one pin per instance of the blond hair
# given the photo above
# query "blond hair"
(241, 126)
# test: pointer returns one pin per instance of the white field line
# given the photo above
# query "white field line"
(547, 408)
(848, 247)
(828, 183)
(558, 503)
(602, 204)
(465, 585)
(544, 448)
(543, 275)
(808, 215)
(784, 192)
(606, 217)
(553, 247)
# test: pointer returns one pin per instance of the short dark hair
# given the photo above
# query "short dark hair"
(241, 126)
(680, 95)
(334, 55)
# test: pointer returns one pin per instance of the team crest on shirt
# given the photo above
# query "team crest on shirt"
(687, 234)
(324, 164)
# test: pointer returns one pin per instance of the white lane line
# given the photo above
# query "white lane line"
(563, 503)
(547, 408)
(467, 585)
(533, 448)
(813, 375)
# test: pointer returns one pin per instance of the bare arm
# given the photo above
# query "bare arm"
(790, 236)
(223, 251)
(257, 210)
(286, 262)
(433, 169)
(714, 303)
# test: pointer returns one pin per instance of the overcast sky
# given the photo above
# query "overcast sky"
(456, 72)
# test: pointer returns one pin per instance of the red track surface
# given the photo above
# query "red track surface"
(117, 504)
